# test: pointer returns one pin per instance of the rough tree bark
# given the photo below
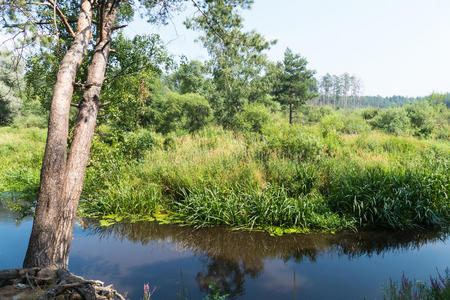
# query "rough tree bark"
(61, 175)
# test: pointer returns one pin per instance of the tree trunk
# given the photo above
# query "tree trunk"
(84, 127)
(290, 113)
(40, 252)
(62, 177)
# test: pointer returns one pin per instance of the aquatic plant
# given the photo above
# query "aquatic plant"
(215, 293)
(437, 289)
(147, 292)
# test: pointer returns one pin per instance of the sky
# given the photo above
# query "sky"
(397, 47)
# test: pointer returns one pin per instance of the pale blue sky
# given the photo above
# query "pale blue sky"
(399, 47)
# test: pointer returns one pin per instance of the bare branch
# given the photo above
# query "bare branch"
(118, 27)
(63, 17)
(54, 21)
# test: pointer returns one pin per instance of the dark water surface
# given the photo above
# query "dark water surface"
(182, 261)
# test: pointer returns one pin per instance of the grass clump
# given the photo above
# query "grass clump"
(391, 196)
(270, 208)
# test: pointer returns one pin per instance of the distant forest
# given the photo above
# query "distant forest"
(344, 91)
(385, 102)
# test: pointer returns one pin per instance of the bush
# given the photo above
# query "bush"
(421, 118)
(443, 133)
(370, 113)
(11, 83)
(135, 144)
(330, 125)
(197, 112)
(189, 112)
(252, 118)
(393, 120)
(355, 124)
(315, 114)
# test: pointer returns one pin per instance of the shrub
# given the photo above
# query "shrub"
(315, 114)
(355, 124)
(443, 133)
(393, 120)
(135, 144)
(421, 118)
(188, 112)
(370, 113)
(197, 112)
(253, 118)
(11, 83)
(330, 124)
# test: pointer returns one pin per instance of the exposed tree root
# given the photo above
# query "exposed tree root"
(49, 284)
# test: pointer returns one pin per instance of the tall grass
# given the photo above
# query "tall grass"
(21, 152)
(391, 196)
(286, 178)
(328, 175)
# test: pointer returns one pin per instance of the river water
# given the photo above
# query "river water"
(181, 262)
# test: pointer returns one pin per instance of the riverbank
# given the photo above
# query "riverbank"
(286, 179)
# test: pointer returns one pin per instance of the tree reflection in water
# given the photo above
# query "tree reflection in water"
(230, 256)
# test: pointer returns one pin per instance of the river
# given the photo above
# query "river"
(180, 262)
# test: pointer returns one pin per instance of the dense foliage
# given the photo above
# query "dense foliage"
(11, 83)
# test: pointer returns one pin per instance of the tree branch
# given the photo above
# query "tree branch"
(54, 21)
(118, 27)
(63, 17)
(207, 20)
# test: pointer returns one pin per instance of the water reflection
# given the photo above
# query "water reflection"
(183, 261)
(230, 257)
(249, 248)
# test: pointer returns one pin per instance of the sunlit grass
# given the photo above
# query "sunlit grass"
(289, 179)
